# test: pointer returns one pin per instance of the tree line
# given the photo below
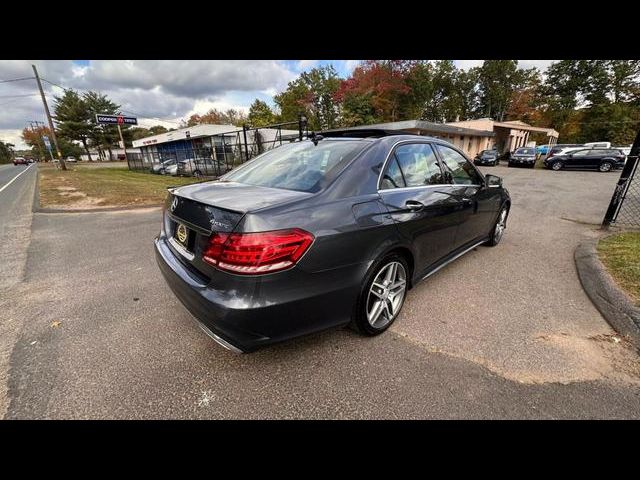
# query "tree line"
(584, 100)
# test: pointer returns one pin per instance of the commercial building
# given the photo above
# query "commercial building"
(469, 140)
(226, 143)
(473, 136)
(509, 135)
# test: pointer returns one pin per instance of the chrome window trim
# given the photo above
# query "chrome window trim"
(433, 144)
(400, 189)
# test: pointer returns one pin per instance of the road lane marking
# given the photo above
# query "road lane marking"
(14, 178)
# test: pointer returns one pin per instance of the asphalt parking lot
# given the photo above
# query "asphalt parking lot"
(503, 332)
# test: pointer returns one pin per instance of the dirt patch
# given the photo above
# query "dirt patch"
(603, 356)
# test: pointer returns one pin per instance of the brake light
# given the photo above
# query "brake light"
(257, 253)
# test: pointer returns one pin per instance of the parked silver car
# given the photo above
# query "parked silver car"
(161, 168)
(200, 167)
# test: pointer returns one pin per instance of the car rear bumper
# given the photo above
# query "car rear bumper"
(244, 316)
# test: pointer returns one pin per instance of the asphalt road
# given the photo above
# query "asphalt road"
(504, 332)
(17, 183)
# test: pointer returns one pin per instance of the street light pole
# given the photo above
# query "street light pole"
(63, 166)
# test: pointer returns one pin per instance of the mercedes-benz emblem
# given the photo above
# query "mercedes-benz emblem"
(174, 204)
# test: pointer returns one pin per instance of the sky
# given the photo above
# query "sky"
(158, 92)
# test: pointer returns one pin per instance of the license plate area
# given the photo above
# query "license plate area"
(184, 236)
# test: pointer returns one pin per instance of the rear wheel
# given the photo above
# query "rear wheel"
(556, 166)
(197, 173)
(605, 166)
(382, 296)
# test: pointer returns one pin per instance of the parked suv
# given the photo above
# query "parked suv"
(602, 159)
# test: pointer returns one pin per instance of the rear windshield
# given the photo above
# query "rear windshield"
(525, 151)
(300, 166)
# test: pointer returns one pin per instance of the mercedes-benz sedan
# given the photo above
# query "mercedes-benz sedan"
(322, 233)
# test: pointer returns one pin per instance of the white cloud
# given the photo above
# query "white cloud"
(467, 64)
(306, 64)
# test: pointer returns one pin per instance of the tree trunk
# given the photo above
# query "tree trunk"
(86, 148)
(110, 156)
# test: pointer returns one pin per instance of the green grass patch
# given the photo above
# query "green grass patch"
(94, 186)
(620, 253)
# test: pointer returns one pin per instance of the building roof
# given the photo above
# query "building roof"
(204, 130)
(429, 127)
(525, 126)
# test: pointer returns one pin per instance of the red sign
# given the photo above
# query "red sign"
(120, 120)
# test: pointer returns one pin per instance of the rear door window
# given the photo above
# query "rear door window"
(412, 165)
(461, 170)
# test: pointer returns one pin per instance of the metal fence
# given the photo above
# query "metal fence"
(624, 208)
(217, 154)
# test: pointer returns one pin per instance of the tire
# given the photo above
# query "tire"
(197, 173)
(605, 167)
(496, 235)
(556, 166)
(366, 305)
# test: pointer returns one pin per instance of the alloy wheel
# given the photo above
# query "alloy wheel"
(556, 166)
(500, 226)
(605, 167)
(386, 295)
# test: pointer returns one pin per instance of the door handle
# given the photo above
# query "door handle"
(414, 205)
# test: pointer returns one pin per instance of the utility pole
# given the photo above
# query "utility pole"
(46, 110)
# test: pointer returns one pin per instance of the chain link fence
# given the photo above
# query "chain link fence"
(215, 155)
(628, 214)
(624, 208)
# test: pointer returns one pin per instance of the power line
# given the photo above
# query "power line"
(124, 111)
(17, 79)
(19, 96)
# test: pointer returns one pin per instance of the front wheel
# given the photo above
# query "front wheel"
(382, 296)
(498, 229)
(556, 166)
(197, 173)
(605, 167)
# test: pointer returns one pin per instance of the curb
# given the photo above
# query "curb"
(611, 301)
(97, 210)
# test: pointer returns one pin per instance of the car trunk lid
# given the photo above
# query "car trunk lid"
(213, 207)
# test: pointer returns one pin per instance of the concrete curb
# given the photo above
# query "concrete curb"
(35, 206)
(611, 301)
(97, 210)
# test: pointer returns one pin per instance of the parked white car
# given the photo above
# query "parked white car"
(598, 145)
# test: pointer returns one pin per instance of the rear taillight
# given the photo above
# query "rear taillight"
(257, 253)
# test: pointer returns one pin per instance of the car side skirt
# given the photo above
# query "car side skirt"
(446, 262)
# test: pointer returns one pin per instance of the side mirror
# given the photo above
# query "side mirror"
(493, 180)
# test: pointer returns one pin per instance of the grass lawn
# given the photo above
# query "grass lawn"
(621, 255)
(95, 185)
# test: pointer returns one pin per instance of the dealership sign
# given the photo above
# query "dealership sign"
(115, 120)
